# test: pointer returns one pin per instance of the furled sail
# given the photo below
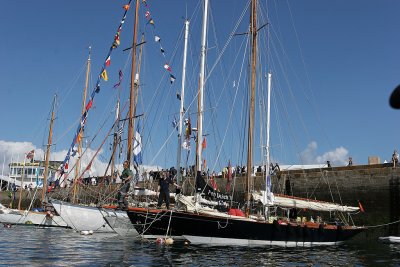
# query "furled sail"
(301, 203)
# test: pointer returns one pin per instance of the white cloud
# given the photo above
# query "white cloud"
(15, 151)
(337, 157)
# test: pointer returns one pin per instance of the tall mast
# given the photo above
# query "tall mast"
(49, 142)
(253, 30)
(181, 112)
(201, 89)
(78, 161)
(132, 93)
(268, 129)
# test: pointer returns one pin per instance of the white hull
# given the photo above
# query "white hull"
(390, 239)
(83, 218)
(14, 216)
(120, 223)
(214, 241)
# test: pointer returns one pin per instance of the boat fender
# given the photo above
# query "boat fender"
(160, 241)
(169, 241)
(84, 232)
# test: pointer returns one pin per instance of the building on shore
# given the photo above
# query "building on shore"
(33, 174)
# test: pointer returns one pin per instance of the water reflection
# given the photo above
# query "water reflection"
(31, 246)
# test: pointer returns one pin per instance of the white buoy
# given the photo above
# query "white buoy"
(169, 241)
(84, 232)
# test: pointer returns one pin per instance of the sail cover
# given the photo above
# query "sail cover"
(302, 203)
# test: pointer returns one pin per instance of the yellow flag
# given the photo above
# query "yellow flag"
(104, 75)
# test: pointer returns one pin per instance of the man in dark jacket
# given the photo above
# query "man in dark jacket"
(163, 187)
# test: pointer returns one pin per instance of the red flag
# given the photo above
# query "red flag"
(108, 61)
(167, 67)
(30, 154)
(89, 104)
(204, 143)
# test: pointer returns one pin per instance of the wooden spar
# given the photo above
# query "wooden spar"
(201, 89)
(49, 142)
(253, 30)
(181, 111)
(132, 94)
(78, 161)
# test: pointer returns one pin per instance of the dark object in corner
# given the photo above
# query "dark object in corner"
(395, 98)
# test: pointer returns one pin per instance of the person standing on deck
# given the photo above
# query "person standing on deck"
(126, 176)
(163, 188)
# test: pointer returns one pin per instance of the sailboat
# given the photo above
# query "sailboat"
(28, 217)
(83, 217)
(103, 218)
(201, 224)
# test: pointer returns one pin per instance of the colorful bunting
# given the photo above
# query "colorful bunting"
(175, 124)
(89, 104)
(104, 75)
(167, 67)
(121, 75)
(157, 38)
(204, 143)
(172, 78)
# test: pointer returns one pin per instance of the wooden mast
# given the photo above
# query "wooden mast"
(132, 93)
(78, 161)
(49, 142)
(253, 31)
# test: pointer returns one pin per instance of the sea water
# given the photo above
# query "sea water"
(33, 246)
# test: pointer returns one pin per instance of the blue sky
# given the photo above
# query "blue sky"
(334, 66)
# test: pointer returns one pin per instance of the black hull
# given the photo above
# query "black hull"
(207, 229)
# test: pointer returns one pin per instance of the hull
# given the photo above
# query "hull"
(120, 223)
(14, 216)
(84, 218)
(234, 230)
